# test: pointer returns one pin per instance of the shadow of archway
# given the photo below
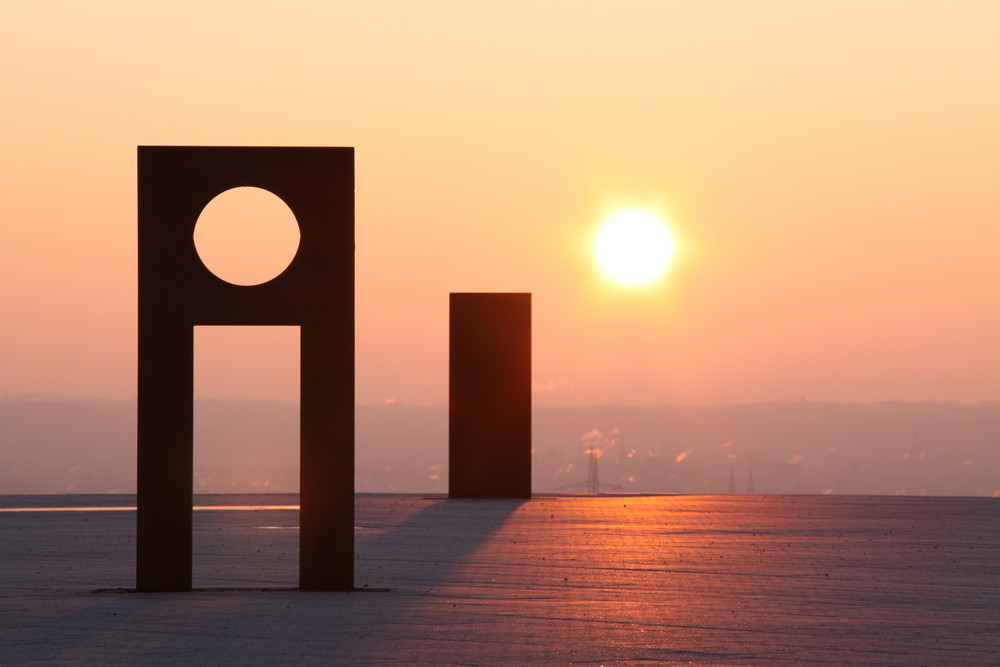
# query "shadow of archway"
(427, 547)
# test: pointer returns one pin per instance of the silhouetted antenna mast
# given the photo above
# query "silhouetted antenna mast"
(593, 479)
(592, 484)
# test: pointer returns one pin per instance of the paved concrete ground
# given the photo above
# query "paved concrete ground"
(562, 580)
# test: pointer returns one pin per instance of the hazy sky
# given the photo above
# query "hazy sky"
(831, 170)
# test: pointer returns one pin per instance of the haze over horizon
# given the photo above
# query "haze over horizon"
(829, 170)
(251, 446)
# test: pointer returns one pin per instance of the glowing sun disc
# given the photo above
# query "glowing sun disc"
(634, 247)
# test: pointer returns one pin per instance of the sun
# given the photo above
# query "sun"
(634, 247)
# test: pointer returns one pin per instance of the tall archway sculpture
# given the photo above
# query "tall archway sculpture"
(178, 292)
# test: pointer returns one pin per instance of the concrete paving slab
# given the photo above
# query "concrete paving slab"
(554, 580)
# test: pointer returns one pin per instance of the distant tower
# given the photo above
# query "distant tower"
(732, 479)
(592, 484)
(750, 486)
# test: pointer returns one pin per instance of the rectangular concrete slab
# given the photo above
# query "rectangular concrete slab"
(551, 580)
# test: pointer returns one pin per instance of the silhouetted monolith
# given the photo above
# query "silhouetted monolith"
(489, 449)
(177, 292)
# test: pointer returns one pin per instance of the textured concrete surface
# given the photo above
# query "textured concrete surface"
(560, 580)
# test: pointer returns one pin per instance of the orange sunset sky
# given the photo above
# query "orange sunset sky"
(830, 169)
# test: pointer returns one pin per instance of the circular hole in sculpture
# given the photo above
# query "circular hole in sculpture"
(246, 236)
